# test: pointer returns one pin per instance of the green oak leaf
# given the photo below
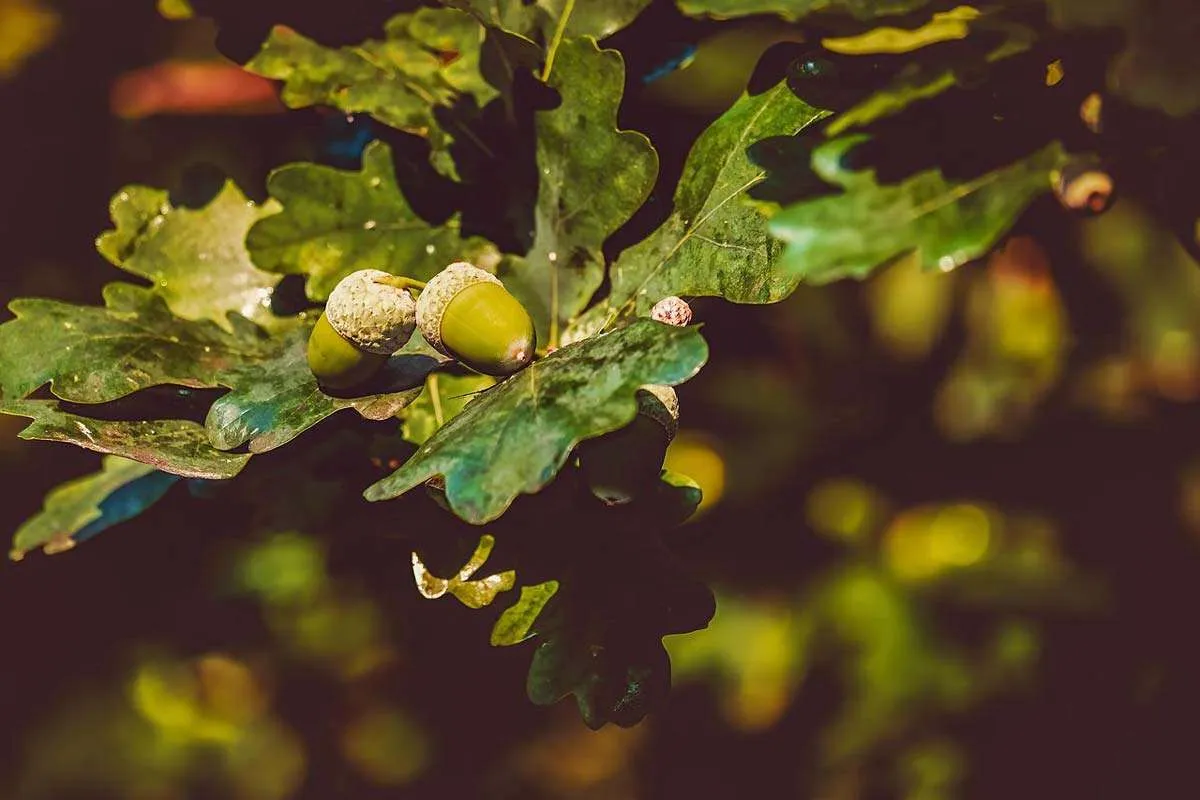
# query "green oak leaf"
(180, 447)
(592, 178)
(91, 354)
(443, 398)
(427, 60)
(713, 243)
(275, 400)
(515, 624)
(335, 222)
(515, 437)
(79, 508)
(540, 19)
(196, 259)
(944, 224)
(798, 9)
(476, 593)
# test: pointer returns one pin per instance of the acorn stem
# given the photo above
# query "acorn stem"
(401, 282)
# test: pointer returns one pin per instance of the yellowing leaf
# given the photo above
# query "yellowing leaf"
(943, 27)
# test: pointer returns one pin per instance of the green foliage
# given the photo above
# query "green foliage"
(426, 62)
(713, 243)
(196, 259)
(944, 223)
(592, 178)
(515, 625)
(90, 354)
(768, 198)
(177, 446)
(275, 400)
(76, 505)
(514, 438)
(335, 222)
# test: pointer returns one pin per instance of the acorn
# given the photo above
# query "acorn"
(620, 466)
(673, 311)
(1083, 187)
(467, 314)
(366, 319)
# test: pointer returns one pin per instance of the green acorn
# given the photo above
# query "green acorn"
(366, 319)
(620, 466)
(467, 314)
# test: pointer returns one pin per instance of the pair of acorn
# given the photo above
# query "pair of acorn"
(466, 313)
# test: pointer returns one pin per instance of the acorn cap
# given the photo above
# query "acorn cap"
(437, 294)
(673, 311)
(661, 404)
(1084, 187)
(373, 315)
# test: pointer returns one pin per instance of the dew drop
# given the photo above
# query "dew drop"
(369, 225)
(430, 249)
(553, 257)
(374, 182)
(946, 263)
(123, 197)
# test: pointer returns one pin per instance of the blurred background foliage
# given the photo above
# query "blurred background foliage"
(951, 519)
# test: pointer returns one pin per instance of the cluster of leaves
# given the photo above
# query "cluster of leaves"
(864, 154)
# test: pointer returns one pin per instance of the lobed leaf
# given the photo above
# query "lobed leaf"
(177, 446)
(427, 60)
(514, 438)
(592, 178)
(335, 222)
(90, 354)
(476, 593)
(81, 508)
(196, 259)
(275, 400)
(713, 243)
(944, 224)
(515, 624)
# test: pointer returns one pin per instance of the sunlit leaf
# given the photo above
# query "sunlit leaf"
(177, 446)
(515, 437)
(798, 9)
(196, 259)
(335, 222)
(81, 508)
(593, 177)
(943, 27)
(943, 223)
(91, 354)
(443, 398)
(541, 18)
(713, 243)
(427, 60)
(515, 625)
(275, 400)
(476, 593)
